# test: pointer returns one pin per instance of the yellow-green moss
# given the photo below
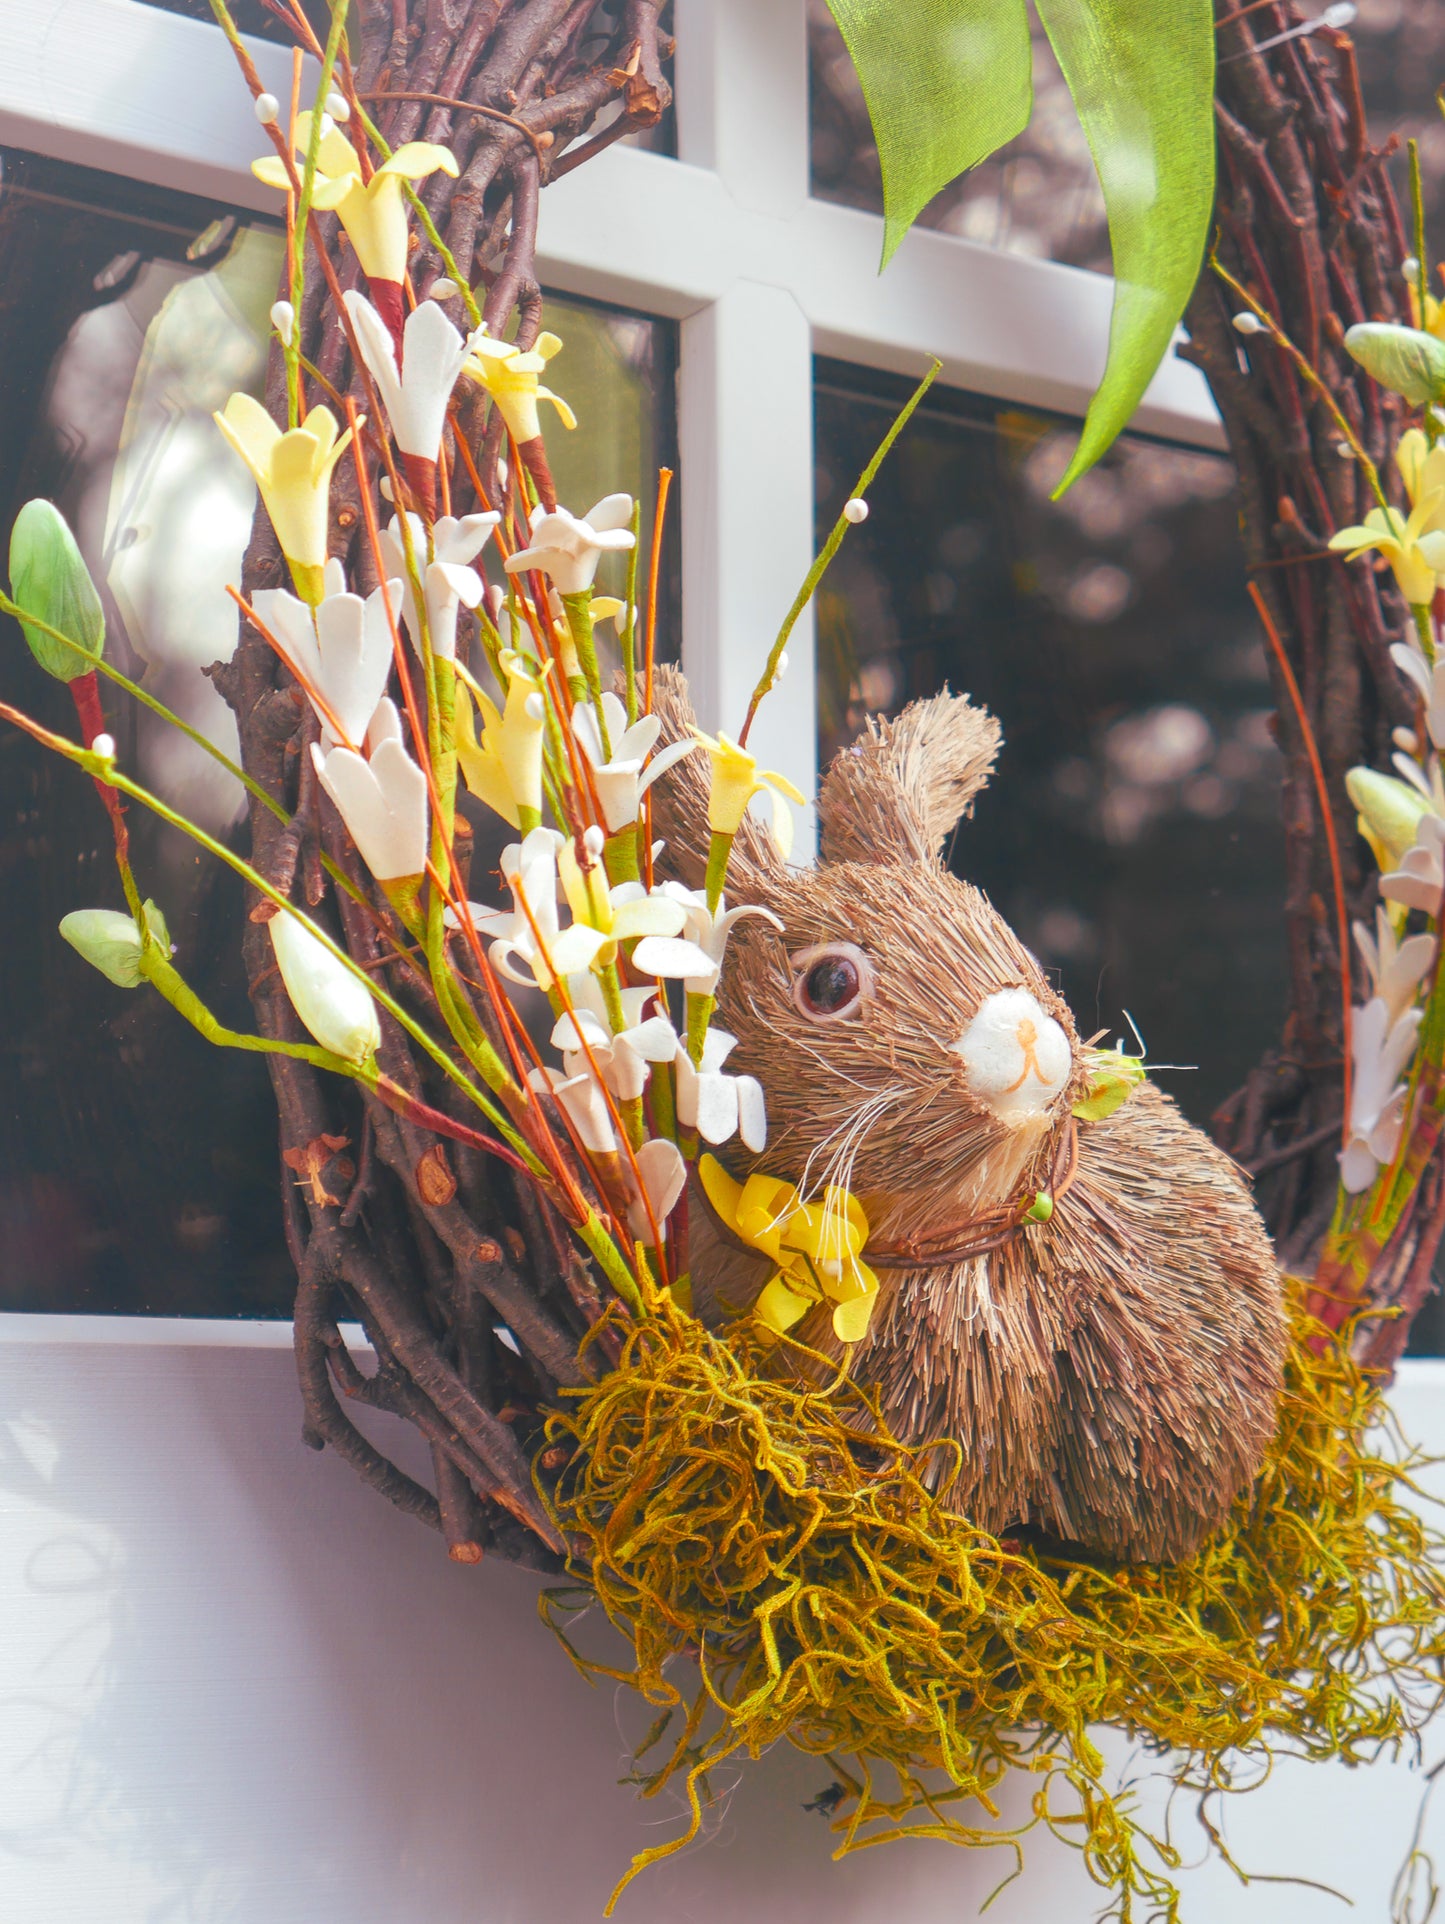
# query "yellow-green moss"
(784, 1539)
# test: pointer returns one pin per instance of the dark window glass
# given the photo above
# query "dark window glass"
(1039, 194)
(138, 1166)
(1131, 832)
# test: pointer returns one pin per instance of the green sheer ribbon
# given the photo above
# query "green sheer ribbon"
(948, 82)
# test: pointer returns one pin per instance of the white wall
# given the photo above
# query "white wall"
(235, 1685)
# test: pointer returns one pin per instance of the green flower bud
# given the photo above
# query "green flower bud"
(1402, 359)
(51, 582)
(110, 941)
(1389, 813)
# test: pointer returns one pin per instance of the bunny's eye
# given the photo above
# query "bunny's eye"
(831, 983)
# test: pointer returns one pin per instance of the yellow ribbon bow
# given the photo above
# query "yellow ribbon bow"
(815, 1246)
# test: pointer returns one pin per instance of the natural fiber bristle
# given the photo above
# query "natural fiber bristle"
(783, 1537)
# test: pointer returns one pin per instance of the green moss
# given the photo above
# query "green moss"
(779, 1534)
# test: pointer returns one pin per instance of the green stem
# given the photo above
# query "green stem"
(600, 1245)
(830, 548)
(719, 849)
(629, 638)
(100, 768)
(1312, 375)
(699, 1014)
(182, 997)
(1425, 629)
(620, 855)
(578, 610)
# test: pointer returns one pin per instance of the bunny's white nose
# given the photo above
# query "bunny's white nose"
(1016, 1058)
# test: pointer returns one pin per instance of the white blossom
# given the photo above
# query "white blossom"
(623, 1060)
(1395, 968)
(567, 548)
(697, 956)
(719, 1106)
(1380, 1050)
(531, 932)
(381, 799)
(433, 353)
(582, 1101)
(449, 578)
(624, 777)
(1429, 681)
(664, 1177)
(342, 651)
(1419, 881)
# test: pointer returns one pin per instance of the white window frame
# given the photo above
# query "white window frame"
(726, 240)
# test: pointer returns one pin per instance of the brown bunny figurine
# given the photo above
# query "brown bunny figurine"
(1110, 1376)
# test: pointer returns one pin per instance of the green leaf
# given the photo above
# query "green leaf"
(947, 82)
(49, 580)
(1142, 77)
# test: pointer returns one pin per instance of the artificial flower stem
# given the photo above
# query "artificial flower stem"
(96, 765)
(629, 1108)
(85, 693)
(301, 224)
(699, 1014)
(592, 1233)
(1425, 629)
(628, 636)
(578, 611)
(620, 855)
(664, 1101)
(830, 548)
(169, 983)
(719, 849)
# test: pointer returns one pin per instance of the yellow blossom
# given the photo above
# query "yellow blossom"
(736, 778)
(510, 376)
(816, 1248)
(1422, 469)
(293, 471)
(1433, 319)
(621, 913)
(374, 212)
(504, 769)
(1414, 548)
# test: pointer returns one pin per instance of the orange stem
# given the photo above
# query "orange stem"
(1307, 735)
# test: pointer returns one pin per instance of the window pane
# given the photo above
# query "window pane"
(138, 1167)
(1131, 833)
(1040, 196)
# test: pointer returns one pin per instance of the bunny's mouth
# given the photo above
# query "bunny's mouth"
(1017, 1059)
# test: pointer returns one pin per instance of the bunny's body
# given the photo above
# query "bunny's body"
(1110, 1377)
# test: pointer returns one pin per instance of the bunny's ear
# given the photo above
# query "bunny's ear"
(895, 794)
(679, 806)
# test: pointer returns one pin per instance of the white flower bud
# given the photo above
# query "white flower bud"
(103, 745)
(387, 493)
(333, 1004)
(444, 289)
(594, 841)
(1410, 267)
(1248, 323)
(1406, 739)
(268, 109)
(337, 106)
(283, 319)
(855, 510)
